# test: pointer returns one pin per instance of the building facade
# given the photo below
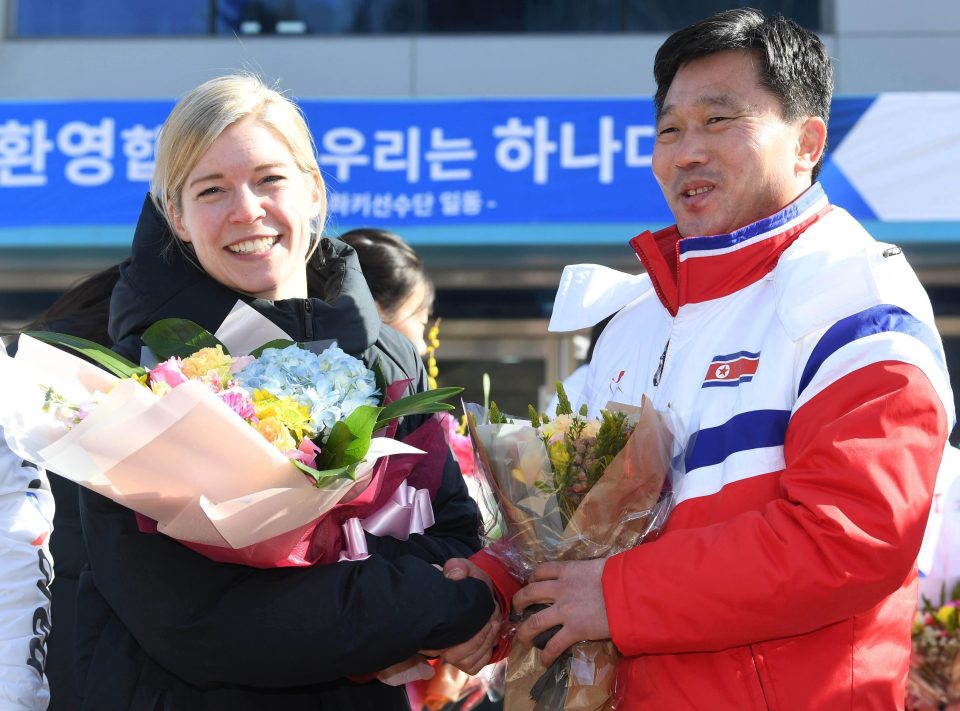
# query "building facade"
(495, 281)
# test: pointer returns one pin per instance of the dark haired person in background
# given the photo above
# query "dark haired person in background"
(397, 279)
(803, 358)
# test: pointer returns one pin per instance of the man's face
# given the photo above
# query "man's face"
(724, 157)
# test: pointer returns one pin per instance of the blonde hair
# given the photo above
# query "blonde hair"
(204, 113)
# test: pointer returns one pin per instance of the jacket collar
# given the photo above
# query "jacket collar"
(695, 269)
(156, 282)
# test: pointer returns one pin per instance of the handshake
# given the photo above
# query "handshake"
(561, 604)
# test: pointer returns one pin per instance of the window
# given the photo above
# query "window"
(254, 17)
(110, 18)
(669, 15)
(510, 16)
(128, 18)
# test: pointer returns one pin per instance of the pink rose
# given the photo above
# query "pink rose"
(460, 444)
(305, 453)
(168, 372)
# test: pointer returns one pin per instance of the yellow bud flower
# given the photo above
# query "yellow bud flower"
(290, 413)
(160, 388)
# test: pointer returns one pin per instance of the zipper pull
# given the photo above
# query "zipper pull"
(663, 358)
(308, 319)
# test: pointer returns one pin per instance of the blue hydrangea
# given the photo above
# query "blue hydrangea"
(332, 384)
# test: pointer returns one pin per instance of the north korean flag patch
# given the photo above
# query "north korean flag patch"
(731, 370)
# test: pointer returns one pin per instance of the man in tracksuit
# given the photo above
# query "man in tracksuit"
(802, 357)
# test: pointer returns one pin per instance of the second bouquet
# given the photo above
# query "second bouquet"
(574, 488)
(280, 457)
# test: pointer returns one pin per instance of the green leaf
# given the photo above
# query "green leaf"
(361, 423)
(349, 439)
(279, 343)
(563, 402)
(420, 403)
(101, 355)
(533, 415)
(379, 378)
(179, 337)
(323, 477)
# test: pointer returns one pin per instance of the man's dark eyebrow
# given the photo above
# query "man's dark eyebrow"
(723, 100)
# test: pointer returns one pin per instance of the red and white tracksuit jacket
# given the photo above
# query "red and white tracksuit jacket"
(803, 359)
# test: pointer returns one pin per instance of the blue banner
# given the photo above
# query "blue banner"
(394, 163)
(410, 162)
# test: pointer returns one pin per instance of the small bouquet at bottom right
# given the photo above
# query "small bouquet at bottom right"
(574, 488)
(934, 679)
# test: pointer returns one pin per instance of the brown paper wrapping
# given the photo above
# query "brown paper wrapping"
(624, 506)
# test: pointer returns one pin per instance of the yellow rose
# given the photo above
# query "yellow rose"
(205, 361)
(555, 429)
(276, 434)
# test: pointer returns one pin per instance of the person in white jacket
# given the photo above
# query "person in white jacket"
(939, 558)
(26, 571)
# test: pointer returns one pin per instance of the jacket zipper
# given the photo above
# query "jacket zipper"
(308, 319)
(663, 359)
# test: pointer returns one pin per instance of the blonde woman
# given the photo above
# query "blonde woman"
(237, 206)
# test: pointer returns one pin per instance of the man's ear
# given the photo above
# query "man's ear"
(178, 227)
(811, 143)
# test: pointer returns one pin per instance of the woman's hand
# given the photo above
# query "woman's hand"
(474, 654)
(413, 669)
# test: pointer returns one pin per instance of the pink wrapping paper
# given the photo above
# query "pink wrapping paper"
(195, 471)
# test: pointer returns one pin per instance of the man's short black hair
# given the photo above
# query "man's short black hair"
(794, 64)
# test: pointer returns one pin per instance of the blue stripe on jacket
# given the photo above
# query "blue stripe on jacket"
(748, 430)
(790, 212)
(884, 318)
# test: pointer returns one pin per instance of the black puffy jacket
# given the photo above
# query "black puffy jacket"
(161, 627)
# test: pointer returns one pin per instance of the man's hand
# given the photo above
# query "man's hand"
(574, 594)
(474, 654)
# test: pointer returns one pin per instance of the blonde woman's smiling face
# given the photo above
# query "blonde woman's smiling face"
(247, 210)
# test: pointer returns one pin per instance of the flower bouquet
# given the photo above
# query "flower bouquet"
(934, 680)
(573, 488)
(280, 457)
